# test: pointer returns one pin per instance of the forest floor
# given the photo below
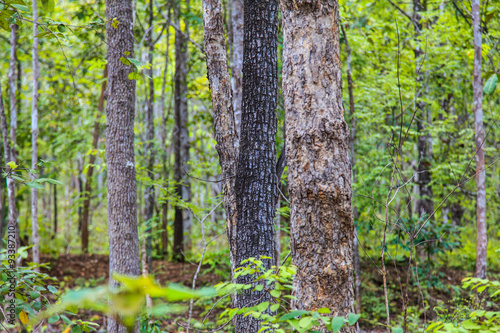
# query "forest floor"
(92, 270)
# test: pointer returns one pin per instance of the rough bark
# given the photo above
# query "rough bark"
(223, 115)
(12, 221)
(317, 143)
(149, 191)
(255, 182)
(55, 211)
(424, 204)
(352, 142)
(237, 12)
(120, 113)
(34, 137)
(181, 142)
(482, 238)
(88, 184)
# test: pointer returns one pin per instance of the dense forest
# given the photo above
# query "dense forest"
(249, 166)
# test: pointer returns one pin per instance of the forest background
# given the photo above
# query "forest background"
(410, 67)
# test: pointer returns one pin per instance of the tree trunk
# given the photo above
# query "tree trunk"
(256, 183)
(424, 204)
(482, 238)
(13, 90)
(352, 142)
(237, 11)
(55, 211)
(181, 144)
(120, 113)
(164, 215)
(34, 138)
(88, 184)
(149, 190)
(317, 141)
(12, 222)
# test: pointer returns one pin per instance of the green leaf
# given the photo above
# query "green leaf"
(306, 322)
(34, 185)
(53, 319)
(34, 294)
(293, 314)
(353, 318)
(20, 7)
(12, 165)
(48, 5)
(76, 329)
(52, 289)
(262, 306)
(324, 310)
(259, 287)
(275, 293)
(490, 85)
(397, 330)
(274, 307)
(125, 62)
(47, 180)
(61, 28)
(67, 320)
(337, 324)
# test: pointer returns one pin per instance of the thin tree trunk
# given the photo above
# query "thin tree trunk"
(223, 115)
(12, 222)
(13, 90)
(164, 224)
(181, 136)
(88, 184)
(55, 212)
(424, 204)
(34, 138)
(255, 183)
(149, 190)
(352, 142)
(322, 230)
(237, 13)
(482, 238)
(120, 113)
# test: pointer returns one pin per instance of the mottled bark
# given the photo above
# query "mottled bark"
(237, 11)
(55, 211)
(13, 90)
(34, 138)
(120, 113)
(164, 215)
(255, 182)
(12, 221)
(482, 238)
(352, 142)
(149, 191)
(181, 141)
(88, 184)
(424, 205)
(317, 143)
(224, 122)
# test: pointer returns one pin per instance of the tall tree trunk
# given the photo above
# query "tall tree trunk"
(34, 137)
(12, 222)
(55, 211)
(255, 183)
(149, 190)
(237, 13)
(88, 184)
(424, 204)
(120, 113)
(13, 90)
(352, 142)
(181, 144)
(482, 238)
(223, 115)
(322, 230)
(164, 215)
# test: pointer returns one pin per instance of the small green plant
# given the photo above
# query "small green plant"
(463, 319)
(276, 314)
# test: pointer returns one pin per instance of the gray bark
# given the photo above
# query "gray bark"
(120, 113)
(482, 238)
(237, 12)
(34, 137)
(255, 183)
(181, 142)
(317, 143)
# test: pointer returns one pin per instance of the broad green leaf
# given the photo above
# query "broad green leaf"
(353, 318)
(48, 5)
(34, 185)
(337, 324)
(490, 85)
(53, 319)
(397, 330)
(293, 314)
(21, 7)
(262, 306)
(12, 165)
(324, 310)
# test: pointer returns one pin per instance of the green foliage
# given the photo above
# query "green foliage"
(126, 303)
(276, 315)
(465, 318)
